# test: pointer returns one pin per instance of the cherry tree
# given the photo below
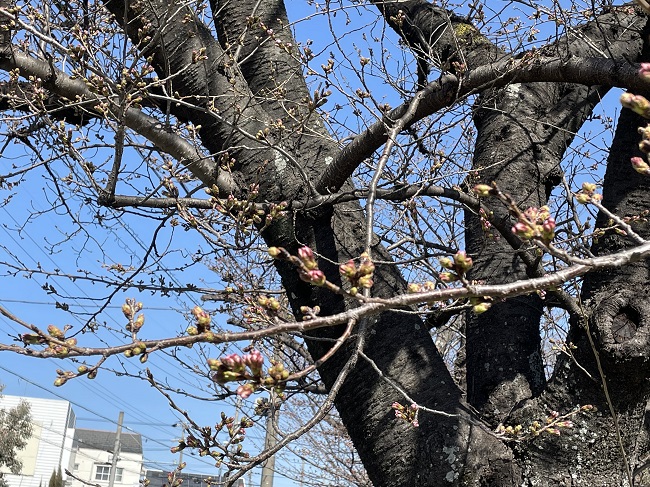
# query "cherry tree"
(406, 211)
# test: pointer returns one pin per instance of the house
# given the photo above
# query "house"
(158, 478)
(50, 445)
(93, 457)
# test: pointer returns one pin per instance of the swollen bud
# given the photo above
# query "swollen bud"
(55, 332)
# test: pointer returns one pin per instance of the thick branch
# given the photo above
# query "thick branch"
(448, 89)
(76, 91)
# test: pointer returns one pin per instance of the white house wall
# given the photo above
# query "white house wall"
(86, 460)
(50, 445)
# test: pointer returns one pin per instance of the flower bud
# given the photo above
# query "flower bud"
(483, 190)
(59, 381)
(366, 267)
(644, 71)
(446, 263)
(55, 332)
(638, 164)
(314, 276)
(481, 307)
(413, 288)
(348, 270)
(448, 277)
(274, 252)
(588, 187)
(244, 391)
(305, 254)
(462, 262)
(126, 309)
(139, 321)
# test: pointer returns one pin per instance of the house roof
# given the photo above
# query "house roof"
(105, 440)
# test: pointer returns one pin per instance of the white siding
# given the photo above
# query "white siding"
(87, 459)
(50, 444)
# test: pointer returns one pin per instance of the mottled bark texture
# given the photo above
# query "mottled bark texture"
(523, 131)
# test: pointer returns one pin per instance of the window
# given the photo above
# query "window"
(103, 473)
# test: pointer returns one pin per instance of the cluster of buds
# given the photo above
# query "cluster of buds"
(245, 210)
(309, 271)
(130, 308)
(56, 333)
(486, 226)
(535, 223)
(271, 305)
(309, 313)
(139, 348)
(202, 321)
(459, 264)
(408, 414)
(84, 370)
(588, 194)
(205, 439)
(277, 373)
(553, 425)
(358, 277)
(234, 367)
(415, 287)
(305, 261)
(64, 375)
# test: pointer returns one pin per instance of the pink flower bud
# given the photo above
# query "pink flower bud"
(448, 277)
(644, 71)
(305, 254)
(348, 270)
(244, 391)
(640, 165)
(523, 230)
(315, 277)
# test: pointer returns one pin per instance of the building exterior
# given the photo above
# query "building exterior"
(50, 446)
(158, 478)
(93, 456)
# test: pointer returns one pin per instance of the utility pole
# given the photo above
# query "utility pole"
(116, 450)
(268, 468)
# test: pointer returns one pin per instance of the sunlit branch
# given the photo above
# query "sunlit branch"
(450, 88)
(370, 307)
(77, 91)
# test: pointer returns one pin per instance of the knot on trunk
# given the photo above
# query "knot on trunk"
(621, 324)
